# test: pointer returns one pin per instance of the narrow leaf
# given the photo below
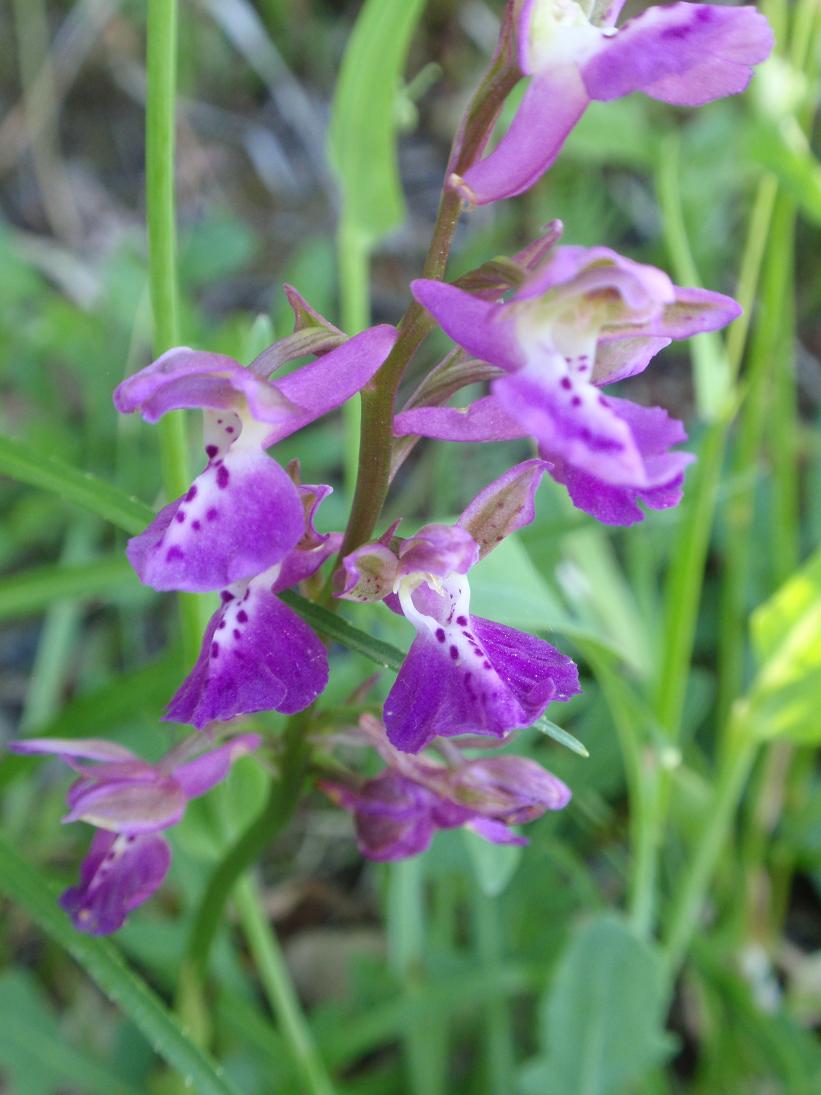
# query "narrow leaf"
(545, 726)
(332, 627)
(26, 465)
(36, 589)
(363, 123)
(104, 965)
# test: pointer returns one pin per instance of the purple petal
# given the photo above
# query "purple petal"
(695, 311)
(440, 550)
(257, 655)
(496, 832)
(198, 776)
(569, 417)
(333, 378)
(618, 357)
(479, 326)
(192, 378)
(128, 806)
(240, 516)
(119, 873)
(503, 507)
(601, 271)
(686, 54)
(484, 420)
(552, 105)
(486, 681)
(510, 787)
(67, 748)
(392, 815)
(653, 432)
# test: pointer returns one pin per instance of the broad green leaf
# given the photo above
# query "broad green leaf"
(494, 865)
(35, 1052)
(362, 143)
(786, 632)
(102, 962)
(37, 589)
(27, 465)
(603, 1015)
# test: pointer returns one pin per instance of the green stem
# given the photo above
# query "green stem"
(353, 262)
(684, 918)
(376, 438)
(498, 1047)
(162, 256)
(246, 849)
(276, 982)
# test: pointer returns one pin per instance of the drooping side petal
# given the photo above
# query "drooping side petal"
(197, 777)
(118, 874)
(551, 107)
(484, 420)
(477, 325)
(128, 806)
(439, 549)
(332, 379)
(392, 815)
(69, 749)
(504, 506)
(654, 432)
(240, 516)
(495, 832)
(368, 574)
(687, 54)
(617, 358)
(257, 655)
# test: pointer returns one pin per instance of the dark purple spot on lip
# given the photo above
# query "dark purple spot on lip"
(222, 477)
(237, 633)
(192, 494)
(440, 634)
(226, 596)
(215, 649)
(220, 625)
(576, 401)
(242, 616)
(566, 383)
(586, 434)
(229, 429)
(486, 665)
(212, 514)
(211, 451)
(454, 652)
(462, 621)
(196, 526)
(676, 32)
(173, 553)
(179, 516)
(603, 402)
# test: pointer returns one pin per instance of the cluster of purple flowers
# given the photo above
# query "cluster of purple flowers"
(566, 322)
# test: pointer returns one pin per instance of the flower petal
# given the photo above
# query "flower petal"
(479, 326)
(68, 748)
(653, 431)
(552, 105)
(484, 420)
(686, 54)
(496, 832)
(128, 806)
(503, 507)
(333, 378)
(240, 517)
(198, 776)
(118, 874)
(257, 655)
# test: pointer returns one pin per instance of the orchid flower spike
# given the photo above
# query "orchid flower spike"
(129, 801)
(242, 514)
(685, 54)
(257, 654)
(587, 317)
(462, 673)
(397, 813)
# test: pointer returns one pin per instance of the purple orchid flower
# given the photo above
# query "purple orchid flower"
(257, 653)
(462, 673)
(585, 318)
(397, 813)
(685, 54)
(129, 801)
(242, 514)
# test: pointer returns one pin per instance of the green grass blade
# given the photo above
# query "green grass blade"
(104, 965)
(26, 465)
(37, 589)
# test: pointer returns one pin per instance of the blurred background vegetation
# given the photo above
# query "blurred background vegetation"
(474, 968)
